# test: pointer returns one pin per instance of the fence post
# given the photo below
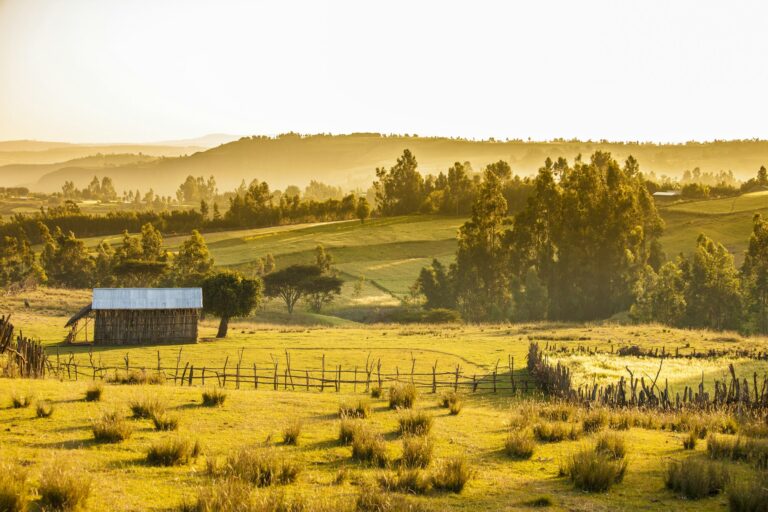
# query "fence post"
(255, 377)
(191, 373)
(322, 376)
(178, 362)
(202, 376)
(354, 389)
(456, 381)
(434, 378)
(237, 377)
(512, 373)
(276, 379)
(307, 376)
(158, 362)
(226, 361)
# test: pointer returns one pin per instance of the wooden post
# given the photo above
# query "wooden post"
(237, 377)
(226, 360)
(275, 384)
(184, 373)
(512, 373)
(456, 381)
(255, 377)
(322, 376)
(307, 376)
(354, 389)
(191, 373)
(159, 368)
(178, 362)
(202, 376)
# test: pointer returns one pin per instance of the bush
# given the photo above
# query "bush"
(369, 447)
(94, 392)
(415, 423)
(21, 401)
(417, 451)
(63, 488)
(689, 441)
(452, 475)
(260, 466)
(595, 421)
(695, 479)
(519, 444)
(555, 431)
(412, 481)
(172, 452)
(348, 428)
(748, 496)
(360, 409)
(147, 407)
(376, 392)
(214, 397)
(44, 409)
(612, 446)
(165, 422)
(14, 489)
(402, 395)
(291, 433)
(594, 471)
(111, 427)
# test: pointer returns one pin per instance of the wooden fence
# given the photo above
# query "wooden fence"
(281, 375)
(24, 357)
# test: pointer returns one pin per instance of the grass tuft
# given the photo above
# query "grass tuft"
(20, 400)
(452, 475)
(690, 440)
(136, 377)
(63, 488)
(14, 488)
(595, 421)
(111, 427)
(611, 445)
(417, 451)
(369, 447)
(594, 471)
(695, 478)
(214, 397)
(411, 481)
(375, 392)
(147, 407)
(44, 409)
(417, 423)
(94, 392)
(173, 452)
(402, 395)
(519, 444)
(292, 432)
(348, 428)
(555, 431)
(165, 422)
(260, 466)
(358, 409)
(748, 495)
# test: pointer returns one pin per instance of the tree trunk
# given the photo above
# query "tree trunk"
(223, 327)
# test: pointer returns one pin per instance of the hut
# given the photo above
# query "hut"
(134, 316)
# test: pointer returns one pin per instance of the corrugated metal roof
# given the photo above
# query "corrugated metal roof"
(147, 298)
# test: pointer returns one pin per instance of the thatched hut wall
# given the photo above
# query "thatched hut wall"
(138, 326)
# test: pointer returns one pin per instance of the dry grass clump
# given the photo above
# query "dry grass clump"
(165, 422)
(369, 447)
(291, 432)
(555, 431)
(358, 409)
(611, 445)
(690, 440)
(44, 409)
(173, 452)
(414, 423)
(519, 444)
(14, 488)
(260, 466)
(94, 392)
(557, 412)
(456, 407)
(63, 488)
(595, 421)
(411, 481)
(235, 495)
(136, 377)
(146, 407)
(593, 470)
(695, 478)
(348, 428)
(417, 451)
(402, 395)
(376, 392)
(374, 499)
(21, 400)
(738, 448)
(447, 398)
(214, 397)
(111, 427)
(748, 495)
(452, 475)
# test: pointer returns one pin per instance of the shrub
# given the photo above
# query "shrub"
(348, 428)
(417, 451)
(412, 481)
(291, 433)
(359, 409)
(519, 444)
(749, 495)
(594, 471)
(402, 394)
(611, 445)
(63, 488)
(172, 452)
(554, 431)
(695, 478)
(414, 423)
(456, 407)
(94, 392)
(21, 401)
(369, 447)
(452, 475)
(214, 397)
(260, 466)
(595, 421)
(165, 422)
(14, 489)
(44, 409)
(690, 440)
(111, 427)
(376, 392)
(147, 407)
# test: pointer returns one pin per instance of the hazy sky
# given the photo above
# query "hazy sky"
(143, 70)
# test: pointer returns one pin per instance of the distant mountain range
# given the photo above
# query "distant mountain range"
(346, 160)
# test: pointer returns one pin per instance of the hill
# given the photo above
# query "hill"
(350, 160)
(34, 152)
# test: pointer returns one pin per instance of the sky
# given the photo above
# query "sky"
(148, 70)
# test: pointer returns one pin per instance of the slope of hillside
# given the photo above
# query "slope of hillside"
(51, 153)
(351, 160)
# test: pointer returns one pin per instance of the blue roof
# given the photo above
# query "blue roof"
(147, 298)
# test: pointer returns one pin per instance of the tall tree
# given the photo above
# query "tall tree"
(755, 275)
(400, 189)
(229, 295)
(436, 284)
(193, 263)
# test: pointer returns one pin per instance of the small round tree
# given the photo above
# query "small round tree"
(228, 295)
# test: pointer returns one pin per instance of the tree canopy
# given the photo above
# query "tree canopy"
(228, 295)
